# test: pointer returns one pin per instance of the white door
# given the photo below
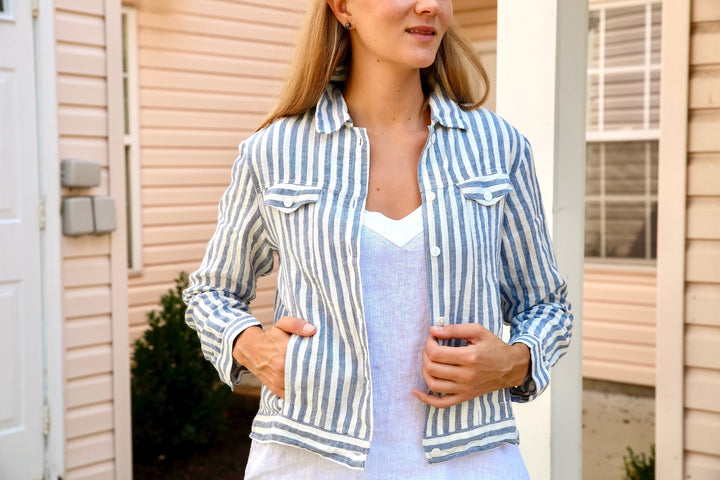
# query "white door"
(21, 376)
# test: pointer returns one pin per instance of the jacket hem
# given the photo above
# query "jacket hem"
(480, 438)
(343, 449)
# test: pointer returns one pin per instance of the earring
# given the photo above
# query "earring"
(347, 26)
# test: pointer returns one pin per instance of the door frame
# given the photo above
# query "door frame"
(50, 238)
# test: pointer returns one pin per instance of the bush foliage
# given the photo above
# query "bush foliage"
(178, 402)
(639, 466)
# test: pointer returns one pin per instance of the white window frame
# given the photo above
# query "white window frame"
(8, 11)
(646, 134)
(131, 141)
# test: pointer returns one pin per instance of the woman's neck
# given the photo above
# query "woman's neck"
(384, 98)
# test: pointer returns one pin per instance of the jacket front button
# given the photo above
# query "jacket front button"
(441, 322)
(430, 196)
(435, 251)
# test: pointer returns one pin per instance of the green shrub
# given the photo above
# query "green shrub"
(640, 467)
(178, 402)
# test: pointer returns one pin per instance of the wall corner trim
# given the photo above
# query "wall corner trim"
(118, 253)
(672, 194)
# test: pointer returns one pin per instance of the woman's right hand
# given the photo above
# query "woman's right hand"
(263, 351)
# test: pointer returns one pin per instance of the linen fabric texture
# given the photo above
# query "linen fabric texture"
(298, 190)
(395, 298)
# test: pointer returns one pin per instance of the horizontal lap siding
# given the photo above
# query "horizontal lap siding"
(82, 125)
(702, 275)
(619, 324)
(478, 18)
(208, 73)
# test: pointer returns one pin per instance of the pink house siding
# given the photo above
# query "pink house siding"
(82, 124)
(478, 18)
(207, 76)
(702, 276)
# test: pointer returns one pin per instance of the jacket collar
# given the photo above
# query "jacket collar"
(331, 112)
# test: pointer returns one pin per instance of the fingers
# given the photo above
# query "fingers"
(295, 326)
(443, 354)
(440, 402)
(469, 331)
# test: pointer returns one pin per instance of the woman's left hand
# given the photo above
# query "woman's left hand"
(484, 365)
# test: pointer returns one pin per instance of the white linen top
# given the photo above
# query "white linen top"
(393, 274)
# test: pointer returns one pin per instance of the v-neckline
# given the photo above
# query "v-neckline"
(398, 232)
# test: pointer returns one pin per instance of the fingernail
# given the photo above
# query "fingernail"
(308, 328)
(436, 328)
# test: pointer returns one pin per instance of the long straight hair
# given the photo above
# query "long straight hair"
(324, 46)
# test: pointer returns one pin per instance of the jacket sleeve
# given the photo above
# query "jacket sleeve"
(533, 292)
(220, 292)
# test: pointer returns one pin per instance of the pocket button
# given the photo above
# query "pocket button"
(488, 196)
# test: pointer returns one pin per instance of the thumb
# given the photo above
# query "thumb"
(466, 331)
(295, 325)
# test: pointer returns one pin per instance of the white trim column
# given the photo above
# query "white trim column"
(50, 235)
(541, 78)
(671, 233)
(118, 239)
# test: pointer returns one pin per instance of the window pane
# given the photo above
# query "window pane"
(653, 230)
(592, 169)
(653, 167)
(2, 6)
(124, 43)
(625, 36)
(593, 109)
(654, 99)
(592, 229)
(626, 229)
(594, 38)
(656, 29)
(625, 168)
(624, 99)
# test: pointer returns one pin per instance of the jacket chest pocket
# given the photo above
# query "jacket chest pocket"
(288, 198)
(291, 213)
(487, 190)
(484, 199)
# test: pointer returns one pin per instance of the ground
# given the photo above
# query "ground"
(615, 416)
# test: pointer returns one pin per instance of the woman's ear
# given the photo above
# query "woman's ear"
(339, 8)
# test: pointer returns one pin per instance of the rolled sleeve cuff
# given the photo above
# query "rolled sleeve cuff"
(231, 372)
(539, 377)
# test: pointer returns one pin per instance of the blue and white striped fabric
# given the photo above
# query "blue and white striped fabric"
(298, 189)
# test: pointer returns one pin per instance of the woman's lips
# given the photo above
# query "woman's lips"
(421, 30)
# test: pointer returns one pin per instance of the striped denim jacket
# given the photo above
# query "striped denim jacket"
(298, 190)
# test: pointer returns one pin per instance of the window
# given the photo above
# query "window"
(623, 132)
(131, 139)
(2, 6)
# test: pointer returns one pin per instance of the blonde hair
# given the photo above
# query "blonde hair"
(324, 46)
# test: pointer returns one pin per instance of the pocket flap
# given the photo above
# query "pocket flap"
(289, 197)
(487, 189)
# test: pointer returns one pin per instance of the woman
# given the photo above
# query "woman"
(408, 226)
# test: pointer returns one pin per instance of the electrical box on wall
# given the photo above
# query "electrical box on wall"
(88, 215)
(85, 215)
(77, 173)
(104, 214)
(77, 216)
